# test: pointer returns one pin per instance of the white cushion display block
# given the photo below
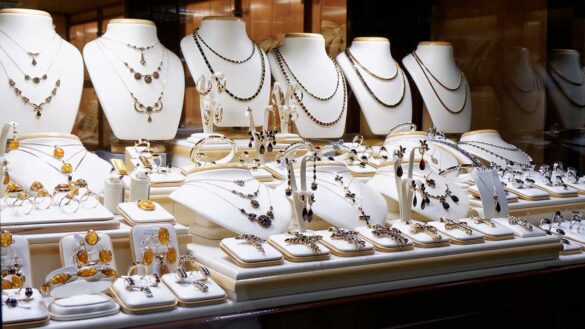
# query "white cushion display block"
(520, 231)
(458, 235)
(342, 248)
(530, 194)
(246, 255)
(136, 302)
(557, 191)
(33, 313)
(297, 252)
(134, 215)
(82, 307)
(384, 244)
(571, 248)
(188, 295)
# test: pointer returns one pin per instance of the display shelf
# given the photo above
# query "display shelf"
(535, 210)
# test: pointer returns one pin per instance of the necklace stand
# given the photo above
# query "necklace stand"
(25, 30)
(374, 54)
(437, 57)
(227, 36)
(479, 142)
(306, 56)
(114, 82)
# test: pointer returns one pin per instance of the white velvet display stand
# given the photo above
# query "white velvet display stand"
(106, 72)
(383, 244)
(227, 35)
(34, 312)
(34, 31)
(457, 235)
(568, 63)
(139, 233)
(374, 53)
(498, 146)
(206, 207)
(342, 248)
(438, 58)
(305, 54)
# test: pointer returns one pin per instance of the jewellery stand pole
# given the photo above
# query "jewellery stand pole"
(113, 193)
(300, 197)
(407, 192)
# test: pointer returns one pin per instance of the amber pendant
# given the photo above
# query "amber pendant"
(92, 238)
(13, 144)
(171, 255)
(66, 168)
(164, 236)
(147, 255)
(163, 269)
(58, 153)
(6, 178)
(5, 239)
(105, 256)
(82, 257)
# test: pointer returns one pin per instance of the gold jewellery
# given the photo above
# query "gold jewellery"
(146, 205)
(513, 220)
(253, 240)
(453, 225)
(151, 243)
(184, 276)
(81, 257)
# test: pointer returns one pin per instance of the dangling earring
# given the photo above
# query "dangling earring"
(314, 183)
(218, 115)
(6, 175)
(414, 199)
(288, 190)
(423, 147)
(147, 252)
(14, 143)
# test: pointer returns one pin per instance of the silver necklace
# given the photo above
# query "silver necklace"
(32, 54)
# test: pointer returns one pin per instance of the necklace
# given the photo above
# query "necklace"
(248, 196)
(355, 63)
(58, 151)
(66, 167)
(497, 207)
(496, 154)
(298, 99)
(425, 70)
(139, 106)
(264, 220)
(348, 195)
(36, 107)
(235, 61)
(29, 77)
(196, 37)
(138, 75)
(536, 87)
(32, 54)
(472, 158)
(141, 49)
(557, 76)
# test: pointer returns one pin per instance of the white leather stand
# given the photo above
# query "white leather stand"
(188, 295)
(77, 287)
(83, 306)
(70, 244)
(438, 59)
(374, 54)
(34, 31)
(246, 255)
(135, 215)
(139, 233)
(343, 248)
(526, 193)
(114, 193)
(113, 82)
(18, 253)
(33, 313)
(556, 191)
(136, 302)
(139, 185)
(298, 252)
(496, 232)
(55, 215)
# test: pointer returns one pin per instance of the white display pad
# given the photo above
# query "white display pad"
(18, 253)
(113, 82)
(491, 193)
(137, 301)
(140, 232)
(34, 31)
(519, 231)
(510, 196)
(55, 215)
(77, 287)
(306, 56)
(248, 253)
(556, 191)
(215, 207)
(374, 54)
(33, 311)
(228, 37)
(298, 251)
(69, 245)
(82, 306)
(438, 59)
(25, 168)
(134, 214)
(526, 193)
(189, 295)
(489, 142)
(496, 231)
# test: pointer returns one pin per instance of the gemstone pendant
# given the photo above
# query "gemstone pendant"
(498, 208)
(147, 255)
(255, 204)
(314, 186)
(422, 164)
(455, 198)
(423, 205)
(310, 215)
(163, 269)
(262, 149)
(164, 236)
(92, 238)
(305, 214)
(264, 221)
(270, 148)
(58, 153)
(105, 256)
(445, 205)
(13, 144)
(82, 257)
(414, 201)
(171, 254)
(399, 171)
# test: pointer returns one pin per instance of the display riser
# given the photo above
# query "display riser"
(292, 278)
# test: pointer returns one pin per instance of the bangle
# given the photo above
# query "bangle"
(195, 154)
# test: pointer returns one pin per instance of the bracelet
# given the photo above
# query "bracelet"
(195, 154)
(89, 273)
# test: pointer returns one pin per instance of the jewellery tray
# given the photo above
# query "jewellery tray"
(246, 255)
(337, 272)
(421, 239)
(69, 245)
(83, 307)
(188, 295)
(134, 215)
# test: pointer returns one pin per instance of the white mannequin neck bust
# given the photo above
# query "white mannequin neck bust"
(520, 67)
(363, 48)
(307, 45)
(18, 23)
(438, 58)
(231, 30)
(140, 31)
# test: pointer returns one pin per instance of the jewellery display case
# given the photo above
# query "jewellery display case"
(167, 163)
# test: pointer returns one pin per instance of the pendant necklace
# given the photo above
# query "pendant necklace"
(355, 63)
(198, 38)
(29, 77)
(66, 168)
(248, 196)
(58, 150)
(340, 79)
(497, 207)
(348, 195)
(139, 106)
(426, 72)
(141, 49)
(147, 77)
(31, 54)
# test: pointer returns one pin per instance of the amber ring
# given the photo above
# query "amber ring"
(13, 278)
(20, 204)
(40, 196)
(146, 205)
(69, 204)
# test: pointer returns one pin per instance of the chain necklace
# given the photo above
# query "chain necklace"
(58, 151)
(557, 76)
(235, 61)
(298, 99)
(264, 220)
(512, 148)
(355, 63)
(32, 54)
(472, 158)
(28, 77)
(230, 93)
(66, 167)
(138, 105)
(496, 154)
(537, 87)
(348, 195)
(141, 49)
(424, 70)
(36, 107)
(248, 196)
(138, 75)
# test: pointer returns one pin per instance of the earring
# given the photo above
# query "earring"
(203, 86)
(423, 147)
(218, 115)
(430, 182)
(414, 200)
(147, 252)
(288, 190)
(314, 183)
(399, 155)
(6, 175)
(14, 143)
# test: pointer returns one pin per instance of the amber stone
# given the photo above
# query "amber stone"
(6, 178)
(36, 185)
(147, 255)
(6, 284)
(60, 278)
(13, 144)
(45, 288)
(171, 255)
(110, 273)
(163, 269)
(164, 236)
(86, 272)
(92, 238)
(66, 168)
(82, 257)
(5, 238)
(58, 153)
(17, 280)
(105, 256)
(12, 188)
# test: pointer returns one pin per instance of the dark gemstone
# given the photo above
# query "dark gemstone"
(137, 76)
(314, 186)
(28, 292)
(423, 205)
(147, 79)
(414, 201)
(38, 114)
(288, 191)
(454, 198)
(264, 221)
(399, 171)
(305, 214)
(270, 214)
(12, 302)
(498, 208)
(270, 148)
(36, 79)
(431, 183)
(310, 215)
(149, 119)
(255, 204)
(252, 217)
(422, 164)
(445, 205)
(250, 145)
(262, 149)
(155, 75)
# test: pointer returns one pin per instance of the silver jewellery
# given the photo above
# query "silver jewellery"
(141, 49)
(253, 240)
(32, 78)
(351, 237)
(513, 220)
(382, 231)
(453, 225)
(32, 54)
(141, 283)
(187, 277)
(307, 240)
(482, 146)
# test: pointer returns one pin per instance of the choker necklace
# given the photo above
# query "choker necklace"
(141, 49)
(557, 76)
(196, 37)
(138, 105)
(28, 77)
(355, 63)
(235, 61)
(66, 167)
(298, 99)
(425, 70)
(32, 54)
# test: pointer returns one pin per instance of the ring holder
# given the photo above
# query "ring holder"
(133, 214)
(29, 311)
(194, 287)
(155, 245)
(154, 160)
(249, 251)
(345, 243)
(570, 247)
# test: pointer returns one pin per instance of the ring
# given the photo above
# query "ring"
(69, 204)
(40, 196)
(145, 143)
(182, 276)
(146, 205)
(13, 278)
(22, 204)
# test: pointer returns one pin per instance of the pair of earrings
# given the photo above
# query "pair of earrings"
(81, 256)
(168, 256)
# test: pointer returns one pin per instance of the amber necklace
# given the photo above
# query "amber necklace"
(58, 151)
(66, 167)
(29, 77)
(32, 54)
